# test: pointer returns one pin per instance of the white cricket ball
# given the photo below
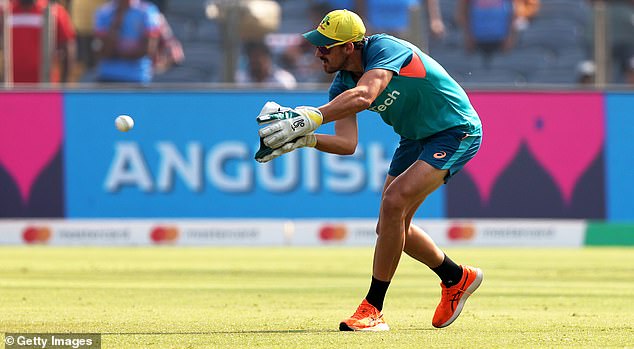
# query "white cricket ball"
(124, 123)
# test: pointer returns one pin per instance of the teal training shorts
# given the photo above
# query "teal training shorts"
(449, 150)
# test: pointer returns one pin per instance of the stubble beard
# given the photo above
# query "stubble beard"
(330, 69)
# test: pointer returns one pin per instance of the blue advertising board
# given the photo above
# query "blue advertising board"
(619, 150)
(190, 155)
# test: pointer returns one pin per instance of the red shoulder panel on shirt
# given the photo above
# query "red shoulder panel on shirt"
(415, 68)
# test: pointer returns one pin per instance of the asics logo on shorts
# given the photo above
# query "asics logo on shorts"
(440, 155)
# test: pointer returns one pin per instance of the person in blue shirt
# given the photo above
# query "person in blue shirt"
(440, 131)
(404, 19)
(127, 34)
(488, 25)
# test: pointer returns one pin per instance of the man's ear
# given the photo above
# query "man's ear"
(349, 47)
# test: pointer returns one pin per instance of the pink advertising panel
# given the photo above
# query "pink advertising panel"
(539, 155)
(31, 136)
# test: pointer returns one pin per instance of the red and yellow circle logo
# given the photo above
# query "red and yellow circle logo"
(36, 234)
(461, 231)
(333, 232)
(164, 234)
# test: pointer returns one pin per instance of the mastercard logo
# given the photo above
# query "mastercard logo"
(36, 235)
(336, 232)
(461, 232)
(164, 234)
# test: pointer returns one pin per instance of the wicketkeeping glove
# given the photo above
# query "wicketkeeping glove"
(270, 112)
(288, 124)
(306, 141)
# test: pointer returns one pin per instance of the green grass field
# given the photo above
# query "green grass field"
(171, 297)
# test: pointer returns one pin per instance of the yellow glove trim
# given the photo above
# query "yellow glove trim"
(311, 140)
(314, 114)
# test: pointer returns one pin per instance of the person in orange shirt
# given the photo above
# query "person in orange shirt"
(26, 23)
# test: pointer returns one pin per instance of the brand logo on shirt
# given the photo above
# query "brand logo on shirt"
(391, 98)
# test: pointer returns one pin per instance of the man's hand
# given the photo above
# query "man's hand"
(288, 124)
(306, 141)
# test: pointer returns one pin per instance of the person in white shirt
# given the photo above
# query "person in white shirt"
(261, 71)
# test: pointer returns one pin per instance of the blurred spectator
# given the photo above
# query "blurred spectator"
(396, 23)
(299, 57)
(525, 12)
(258, 18)
(436, 24)
(621, 36)
(161, 4)
(261, 70)
(586, 72)
(400, 19)
(26, 29)
(127, 36)
(83, 15)
(487, 25)
(169, 51)
(300, 61)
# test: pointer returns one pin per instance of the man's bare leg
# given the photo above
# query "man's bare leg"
(401, 197)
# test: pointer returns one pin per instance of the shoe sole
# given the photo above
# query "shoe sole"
(380, 327)
(474, 286)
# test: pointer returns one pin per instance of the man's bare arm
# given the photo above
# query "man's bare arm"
(345, 139)
(359, 98)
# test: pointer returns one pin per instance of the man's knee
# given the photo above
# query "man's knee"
(392, 202)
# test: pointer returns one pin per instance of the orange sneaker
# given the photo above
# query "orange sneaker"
(366, 318)
(454, 297)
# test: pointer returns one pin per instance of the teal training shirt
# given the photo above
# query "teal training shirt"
(421, 99)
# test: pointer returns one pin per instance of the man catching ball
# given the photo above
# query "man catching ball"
(440, 131)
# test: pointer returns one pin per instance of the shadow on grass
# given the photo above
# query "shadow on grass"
(212, 332)
(245, 332)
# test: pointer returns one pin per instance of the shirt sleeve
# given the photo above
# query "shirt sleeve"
(388, 54)
(65, 30)
(152, 21)
(336, 87)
